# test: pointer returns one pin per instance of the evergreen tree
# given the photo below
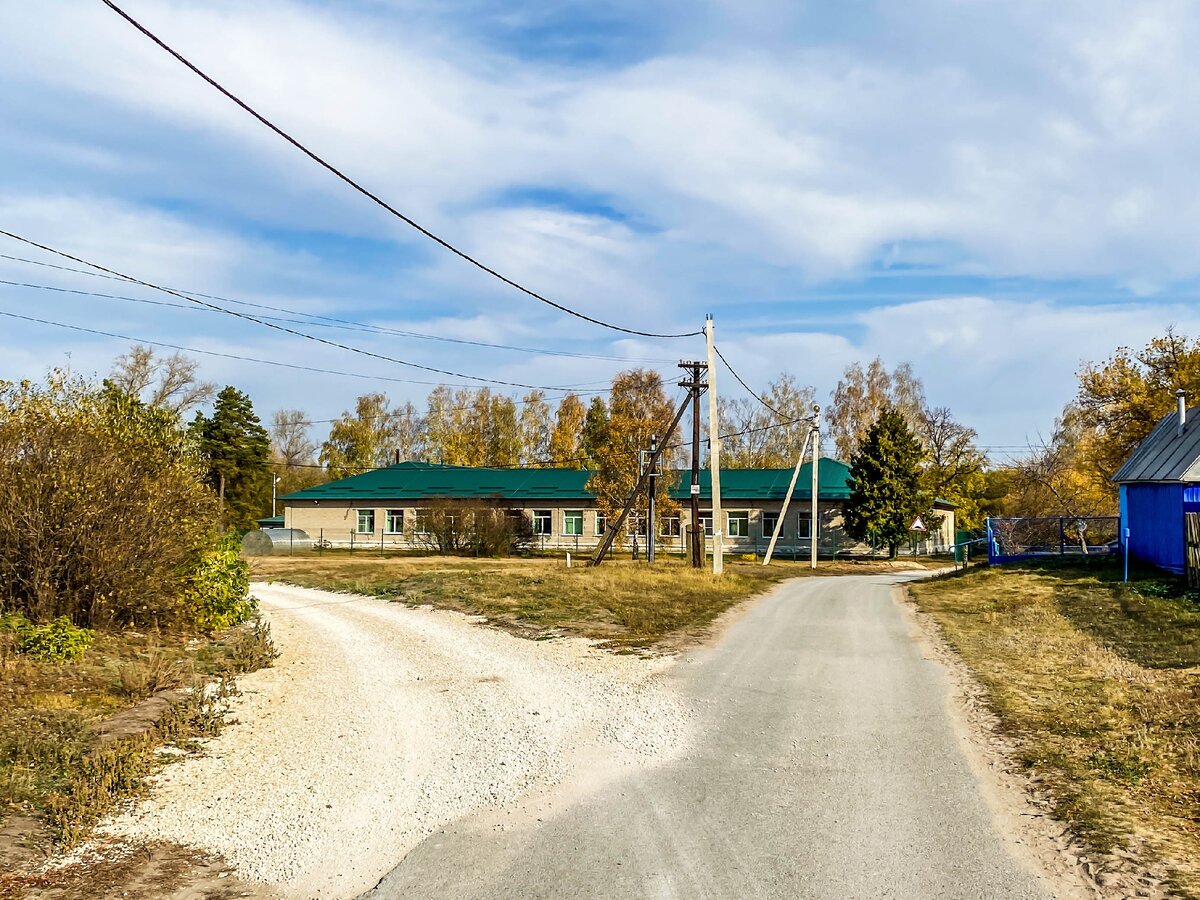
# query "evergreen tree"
(238, 450)
(885, 482)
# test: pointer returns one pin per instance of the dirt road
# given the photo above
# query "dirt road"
(379, 724)
(825, 765)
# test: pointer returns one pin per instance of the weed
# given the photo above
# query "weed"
(56, 641)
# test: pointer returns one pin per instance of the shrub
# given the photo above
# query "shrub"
(57, 641)
(474, 527)
(103, 511)
(216, 594)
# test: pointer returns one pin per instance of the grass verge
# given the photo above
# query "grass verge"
(1097, 683)
(629, 605)
(59, 769)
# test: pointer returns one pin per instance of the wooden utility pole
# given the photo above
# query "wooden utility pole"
(695, 386)
(714, 452)
(614, 529)
(650, 517)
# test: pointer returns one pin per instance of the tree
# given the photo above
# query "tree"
(861, 395)
(638, 410)
(293, 451)
(954, 466)
(536, 426)
(594, 436)
(757, 439)
(885, 483)
(168, 382)
(1121, 400)
(567, 435)
(361, 440)
(104, 517)
(238, 450)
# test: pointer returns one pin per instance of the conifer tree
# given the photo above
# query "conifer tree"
(238, 450)
(885, 483)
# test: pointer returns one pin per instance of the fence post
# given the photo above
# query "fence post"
(381, 543)
(351, 541)
(291, 540)
(1062, 538)
(321, 546)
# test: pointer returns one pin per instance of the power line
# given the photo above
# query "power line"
(253, 359)
(275, 326)
(749, 390)
(212, 82)
(346, 324)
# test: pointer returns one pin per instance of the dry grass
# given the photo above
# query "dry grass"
(1099, 687)
(52, 765)
(628, 604)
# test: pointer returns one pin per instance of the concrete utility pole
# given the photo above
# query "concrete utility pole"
(815, 523)
(714, 452)
(787, 498)
(695, 386)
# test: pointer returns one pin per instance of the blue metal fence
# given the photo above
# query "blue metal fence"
(1041, 537)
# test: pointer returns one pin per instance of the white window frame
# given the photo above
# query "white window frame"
(601, 524)
(546, 516)
(370, 513)
(573, 522)
(743, 520)
(389, 521)
(767, 522)
(706, 523)
(669, 526)
(421, 523)
(803, 526)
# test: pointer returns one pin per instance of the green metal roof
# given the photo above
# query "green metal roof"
(420, 481)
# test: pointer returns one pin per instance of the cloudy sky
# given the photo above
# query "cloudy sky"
(992, 191)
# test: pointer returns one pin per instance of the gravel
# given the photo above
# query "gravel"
(379, 724)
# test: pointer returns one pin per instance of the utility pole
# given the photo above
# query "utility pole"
(650, 520)
(714, 452)
(274, 482)
(695, 386)
(787, 498)
(815, 523)
(614, 528)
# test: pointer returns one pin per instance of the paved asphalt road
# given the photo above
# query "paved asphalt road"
(826, 766)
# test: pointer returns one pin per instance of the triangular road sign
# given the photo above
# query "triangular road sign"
(918, 525)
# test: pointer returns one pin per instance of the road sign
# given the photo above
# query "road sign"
(918, 525)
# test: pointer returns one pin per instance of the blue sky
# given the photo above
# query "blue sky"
(993, 192)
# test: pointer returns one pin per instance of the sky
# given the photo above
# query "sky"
(994, 192)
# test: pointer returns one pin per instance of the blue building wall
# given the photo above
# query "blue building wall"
(1153, 513)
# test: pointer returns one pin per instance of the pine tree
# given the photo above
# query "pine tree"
(238, 450)
(885, 483)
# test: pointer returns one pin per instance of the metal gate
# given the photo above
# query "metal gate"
(1191, 529)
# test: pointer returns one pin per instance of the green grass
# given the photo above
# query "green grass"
(1099, 684)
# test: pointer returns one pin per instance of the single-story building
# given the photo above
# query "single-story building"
(389, 508)
(1159, 486)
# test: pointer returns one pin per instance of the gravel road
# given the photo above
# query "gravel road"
(379, 724)
(825, 765)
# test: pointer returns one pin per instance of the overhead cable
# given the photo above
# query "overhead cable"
(276, 326)
(212, 82)
(334, 322)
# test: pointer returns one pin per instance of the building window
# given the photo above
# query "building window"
(706, 523)
(768, 521)
(803, 525)
(366, 521)
(395, 521)
(573, 522)
(601, 523)
(669, 527)
(739, 524)
(421, 526)
(541, 521)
